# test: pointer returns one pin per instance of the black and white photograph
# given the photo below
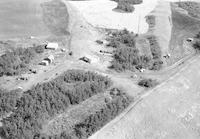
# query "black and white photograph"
(99, 69)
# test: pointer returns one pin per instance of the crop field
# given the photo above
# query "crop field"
(19, 18)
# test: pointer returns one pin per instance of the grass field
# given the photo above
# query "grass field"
(184, 26)
(24, 18)
(20, 18)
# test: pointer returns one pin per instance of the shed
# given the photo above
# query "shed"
(52, 46)
(45, 62)
(51, 58)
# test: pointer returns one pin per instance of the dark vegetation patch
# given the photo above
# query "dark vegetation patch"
(46, 100)
(8, 101)
(124, 6)
(130, 1)
(127, 57)
(16, 61)
(196, 44)
(147, 83)
(151, 20)
(193, 8)
(95, 121)
(127, 5)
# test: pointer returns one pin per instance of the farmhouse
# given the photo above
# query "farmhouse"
(52, 46)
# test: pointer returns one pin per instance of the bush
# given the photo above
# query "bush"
(131, 1)
(124, 6)
(148, 83)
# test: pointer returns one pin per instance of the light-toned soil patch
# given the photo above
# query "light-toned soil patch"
(163, 25)
(100, 13)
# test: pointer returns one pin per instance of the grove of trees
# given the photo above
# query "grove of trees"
(45, 100)
(8, 101)
(95, 121)
(124, 6)
(126, 56)
(16, 61)
(148, 83)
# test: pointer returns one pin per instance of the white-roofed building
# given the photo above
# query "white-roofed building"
(52, 46)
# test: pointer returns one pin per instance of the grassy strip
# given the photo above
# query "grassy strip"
(97, 120)
(46, 100)
(156, 53)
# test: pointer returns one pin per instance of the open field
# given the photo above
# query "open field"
(21, 18)
(100, 13)
(184, 26)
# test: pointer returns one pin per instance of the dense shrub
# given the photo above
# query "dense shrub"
(131, 1)
(156, 53)
(148, 83)
(122, 38)
(126, 56)
(97, 120)
(14, 62)
(48, 99)
(8, 101)
(124, 6)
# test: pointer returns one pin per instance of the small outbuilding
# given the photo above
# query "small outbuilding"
(45, 62)
(53, 46)
(50, 58)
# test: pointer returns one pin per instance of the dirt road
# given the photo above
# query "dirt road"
(171, 110)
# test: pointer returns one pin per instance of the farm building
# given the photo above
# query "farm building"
(52, 46)
(45, 62)
(50, 59)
